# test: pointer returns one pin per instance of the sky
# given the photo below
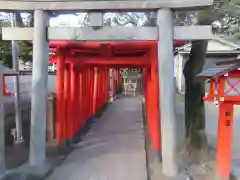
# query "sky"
(69, 19)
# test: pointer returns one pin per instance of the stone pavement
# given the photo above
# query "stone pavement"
(112, 150)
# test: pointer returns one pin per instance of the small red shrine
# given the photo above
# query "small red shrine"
(6, 72)
(224, 88)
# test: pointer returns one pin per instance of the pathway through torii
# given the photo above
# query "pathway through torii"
(113, 149)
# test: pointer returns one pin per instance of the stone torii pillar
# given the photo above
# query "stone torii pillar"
(2, 134)
(39, 89)
(167, 91)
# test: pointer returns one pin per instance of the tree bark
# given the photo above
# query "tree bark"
(195, 87)
(19, 20)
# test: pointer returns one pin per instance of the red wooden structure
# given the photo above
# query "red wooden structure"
(224, 88)
(83, 81)
(7, 73)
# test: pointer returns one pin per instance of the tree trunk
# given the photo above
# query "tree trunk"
(19, 20)
(195, 87)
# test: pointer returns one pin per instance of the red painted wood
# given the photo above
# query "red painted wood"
(118, 78)
(100, 87)
(97, 45)
(113, 82)
(92, 91)
(60, 100)
(87, 91)
(107, 84)
(148, 102)
(84, 113)
(72, 98)
(225, 123)
(76, 101)
(67, 102)
(80, 108)
(116, 61)
(95, 90)
(155, 104)
(4, 88)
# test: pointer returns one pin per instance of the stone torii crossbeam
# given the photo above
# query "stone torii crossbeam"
(164, 33)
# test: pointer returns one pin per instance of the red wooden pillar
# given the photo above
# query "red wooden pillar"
(60, 117)
(76, 100)
(87, 93)
(224, 141)
(103, 86)
(92, 90)
(67, 88)
(84, 113)
(146, 82)
(72, 99)
(155, 108)
(95, 90)
(80, 100)
(88, 83)
(148, 102)
(107, 81)
(106, 85)
(99, 88)
(117, 78)
(156, 104)
(152, 102)
(85, 104)
(4, 85)
(224, 138)
(113, 82)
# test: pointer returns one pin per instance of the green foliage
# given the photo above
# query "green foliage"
(8, 60)
(227, 17)
(5, 47)
(25, 51)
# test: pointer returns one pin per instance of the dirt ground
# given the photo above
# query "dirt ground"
(200, 164)
(16, 155)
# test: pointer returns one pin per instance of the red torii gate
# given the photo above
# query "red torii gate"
(83, 81)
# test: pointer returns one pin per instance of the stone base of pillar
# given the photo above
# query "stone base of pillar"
(235, 172)
(28, 172)
(111, 99)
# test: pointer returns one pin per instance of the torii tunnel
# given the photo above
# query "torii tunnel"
(83, 81)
